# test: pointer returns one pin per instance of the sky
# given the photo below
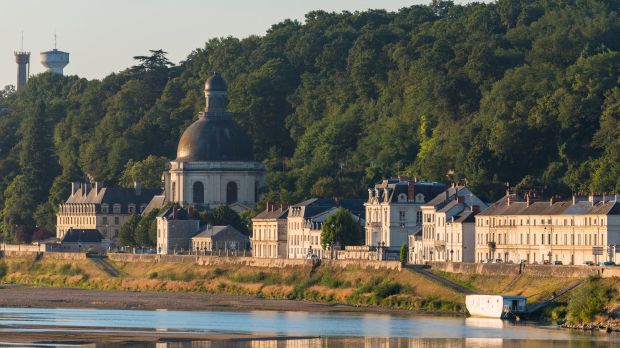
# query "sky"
(102, 36)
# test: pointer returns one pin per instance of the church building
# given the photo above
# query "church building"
(214, 163)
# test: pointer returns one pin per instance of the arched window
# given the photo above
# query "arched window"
(231, 192)
(199, 192)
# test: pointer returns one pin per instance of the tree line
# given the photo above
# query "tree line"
(524, 92)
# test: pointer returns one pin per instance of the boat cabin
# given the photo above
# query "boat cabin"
(495, 306)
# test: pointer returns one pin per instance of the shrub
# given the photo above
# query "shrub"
(3, 269)
(589, 301)
(403, 253)
(153, 275)
(386, 289)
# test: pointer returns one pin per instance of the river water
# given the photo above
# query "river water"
(334, 329)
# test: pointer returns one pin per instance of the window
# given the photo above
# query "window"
(105, 220)
(116, 209)
(117, 220)
(132, 209)
(198, 193)
(418, 219)
(401, 215)
(231, 192)
(104, 208)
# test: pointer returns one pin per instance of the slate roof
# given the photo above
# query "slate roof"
(157, 202)
(168, 214)
(82, 235)
(395, 186)
(111, 196)
(272, 214)
(219, 232)
(519, 207)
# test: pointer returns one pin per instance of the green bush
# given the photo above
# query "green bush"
(386, 289)
(404, 249)
(589, 301)
(3, 269)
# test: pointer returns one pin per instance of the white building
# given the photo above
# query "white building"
(522, 229)
(269, 233)
(393, 210)
(305, 225)
(447, 227)
(214, 163)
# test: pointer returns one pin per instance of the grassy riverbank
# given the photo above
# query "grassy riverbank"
(354, 286)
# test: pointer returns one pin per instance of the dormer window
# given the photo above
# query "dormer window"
(105, 209)
(132, 208)
(117, 208)
(142, 207)
(419, 198)
(402, 198)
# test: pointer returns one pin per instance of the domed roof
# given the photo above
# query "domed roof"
(216, 83)
(214, 140)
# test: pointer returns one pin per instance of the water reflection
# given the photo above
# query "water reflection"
(338, 342)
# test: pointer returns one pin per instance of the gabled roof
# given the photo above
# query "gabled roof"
(519, 207)
(272, 214)
(157, 202)
(219, 232)
(182, 214)
(82, 235)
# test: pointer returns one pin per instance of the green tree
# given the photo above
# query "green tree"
(589, 301)
(148, 172)
(404, 251)
(340, 228)
(222, 216)
(146, 230)
(127, 235)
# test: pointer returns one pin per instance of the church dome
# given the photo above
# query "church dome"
(216, 83)
(214, 136)
(214, 140)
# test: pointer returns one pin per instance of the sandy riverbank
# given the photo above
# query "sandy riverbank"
(48, 297)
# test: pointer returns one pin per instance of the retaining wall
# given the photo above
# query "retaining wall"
(533, 270)
(47, 255)
(250, 261)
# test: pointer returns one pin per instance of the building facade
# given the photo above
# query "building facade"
(269, 232)
(305, 225)
(175, 229)
(95, 207)
(522, 229)
(214, 163)
(447, 232)
(220, 239)
(393, 210)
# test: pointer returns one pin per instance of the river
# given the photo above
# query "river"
(334, 329)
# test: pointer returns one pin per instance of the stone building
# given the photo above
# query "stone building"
(221, 239)
(447, 232)
(96, 207)
(81, 240)
(269, 233)
(524, 229)
(175, 229)
(305, 222)
(393, 210)
(214, 163)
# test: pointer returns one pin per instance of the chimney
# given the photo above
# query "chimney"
(283, 207)
(527, 200)
(574, 199)
(410, 191)
(98, 186)
(75, 186)
(508, 200)
(460, 199)
(553, 200)
(87, 187)
(402, 178)
(175, 212)
(138, 186)
(475, 208)
(190, 211)
(270, 206)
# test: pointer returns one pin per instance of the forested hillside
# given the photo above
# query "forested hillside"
(525, 92)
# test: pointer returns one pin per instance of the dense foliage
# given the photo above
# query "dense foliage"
(590, 300)
(341, 229)
(518, 91)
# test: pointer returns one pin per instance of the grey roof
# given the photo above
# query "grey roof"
(445, 195)
(82, 235)
(395, 186)
(272, 214)
(518, 207)
(157, 202)
(219, 232)
(216, 83)
(182, 214)
(111, 196)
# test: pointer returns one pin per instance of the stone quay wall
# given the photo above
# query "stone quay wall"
(533, 270)
(250, 261)
(47, 255)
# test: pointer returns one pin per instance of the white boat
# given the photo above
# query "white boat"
(495, 306)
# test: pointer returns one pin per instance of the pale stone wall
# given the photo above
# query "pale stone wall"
(533, 270)
(269, 238)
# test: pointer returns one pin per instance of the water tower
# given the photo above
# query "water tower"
(55, 61)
